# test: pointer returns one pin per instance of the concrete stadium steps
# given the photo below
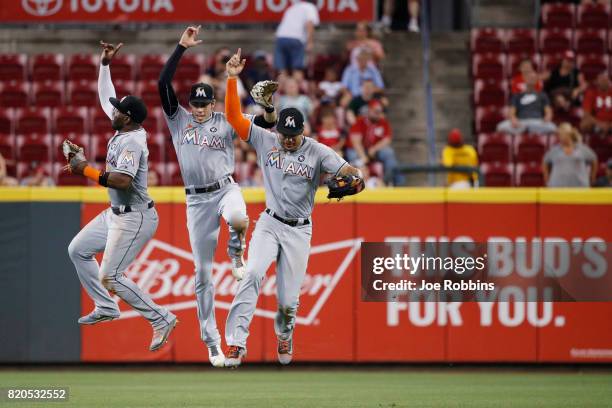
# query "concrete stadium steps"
(503, 13)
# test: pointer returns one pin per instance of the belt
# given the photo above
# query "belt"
(292, 222)
(211, 187)
(122, 209)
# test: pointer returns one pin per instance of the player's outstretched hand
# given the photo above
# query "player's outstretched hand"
(109, 51)
(235, 65)
(188, 39)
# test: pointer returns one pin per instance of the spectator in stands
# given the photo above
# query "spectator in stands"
(329, 133)
(37, 177)
(355, 74)
(359, 104)
(606, 179)
(529, 111)
(457, 153)
(363, 39)
(567, 164)
(330, 87)
(152, 178)
(413, 14)
(565, 83)
(6, 180)
(259, 70)
(370, 139)
(215, 76)
(295, 36)
(597, 106)
(518, 84)
(293, 99)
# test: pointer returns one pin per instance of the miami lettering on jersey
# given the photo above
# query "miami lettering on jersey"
(193, 137)
(276, 161)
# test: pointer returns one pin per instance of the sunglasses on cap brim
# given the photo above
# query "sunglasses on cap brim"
(200, 104)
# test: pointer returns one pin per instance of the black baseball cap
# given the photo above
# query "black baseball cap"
(290, 122)
(132, 106)
(202, 93)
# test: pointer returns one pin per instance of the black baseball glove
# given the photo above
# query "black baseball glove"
(344, 186)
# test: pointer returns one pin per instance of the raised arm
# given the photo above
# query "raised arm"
(169, 101)
(233, 108)
(106, 89)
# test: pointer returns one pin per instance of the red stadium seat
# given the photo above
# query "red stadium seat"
(149, 92)
(150, 67)
(573, 116)
(529, 148)
(77, 138)
(490, 93)
(70, 120)
(34, 147)
(602, 146)
(488, 66)
(123, 67)
(6, 121)
(497, 174)
(183, 89)
(324, 61)
(7, 146)
(494, 147)
(591, 65)
(551, 61)
(514, 60)
(99, 146)
(174, 174)
(589, 41)
(14, 94)
(155, 144)
(487, 40)
(487, 119)
(99, 122)
(83, 93)
(32, 120)
(521, 41)
(65, 178)
(155, 123)
(595, 16)
(529, 175)
(555, 41)
(170, 151)
(24, 167)
(48, 94)
(13, 67)
(83, 67)
(190, 68)
(558, 15)
(160, 170)
(47, 67)
(124, 88)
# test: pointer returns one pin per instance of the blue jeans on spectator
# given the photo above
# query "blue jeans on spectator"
(289, 54)
(386, 156)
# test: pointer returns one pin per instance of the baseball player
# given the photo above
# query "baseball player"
(204, 145)
(291, 165)
(124, 228)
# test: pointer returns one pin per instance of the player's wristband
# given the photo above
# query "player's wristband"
(269, 110)
(103, 179)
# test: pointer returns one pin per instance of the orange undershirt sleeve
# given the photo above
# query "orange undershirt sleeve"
(233, 110)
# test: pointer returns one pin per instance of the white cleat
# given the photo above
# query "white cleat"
(285, 351)
(238, 267)
(216, 356)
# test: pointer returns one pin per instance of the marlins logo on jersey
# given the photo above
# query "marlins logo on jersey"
(127, 159)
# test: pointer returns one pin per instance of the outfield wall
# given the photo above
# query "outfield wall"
(42, 297)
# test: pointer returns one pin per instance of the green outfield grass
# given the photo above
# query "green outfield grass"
(326, 387)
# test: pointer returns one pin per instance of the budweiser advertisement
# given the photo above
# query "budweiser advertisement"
(334, 324)
(117, 11)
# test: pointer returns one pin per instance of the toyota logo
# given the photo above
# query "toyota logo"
(227, 7)
(41, 8)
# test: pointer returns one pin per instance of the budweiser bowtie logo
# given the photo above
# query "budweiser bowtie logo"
(166, 273)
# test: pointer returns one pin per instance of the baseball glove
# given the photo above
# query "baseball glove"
(344, 186)
(262, 93)
(73, 153)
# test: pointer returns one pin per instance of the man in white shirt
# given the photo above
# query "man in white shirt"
(294, 36)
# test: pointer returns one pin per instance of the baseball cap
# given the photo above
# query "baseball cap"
(132, 106)
(375, 103)
(290, 122)
(455, 137)
(202, 92)
(569, 55)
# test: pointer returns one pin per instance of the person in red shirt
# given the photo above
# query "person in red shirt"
(597, 106)
(329, 133)
(370, 139)
(518, 83)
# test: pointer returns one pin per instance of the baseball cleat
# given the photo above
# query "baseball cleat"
(238, 267)
(234, 356)
(285, 351)
(216, 356)
(160, 336)
(96, 317)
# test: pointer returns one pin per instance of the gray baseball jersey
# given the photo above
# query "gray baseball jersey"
(292, 178)
(128, 154)
(205, 150)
